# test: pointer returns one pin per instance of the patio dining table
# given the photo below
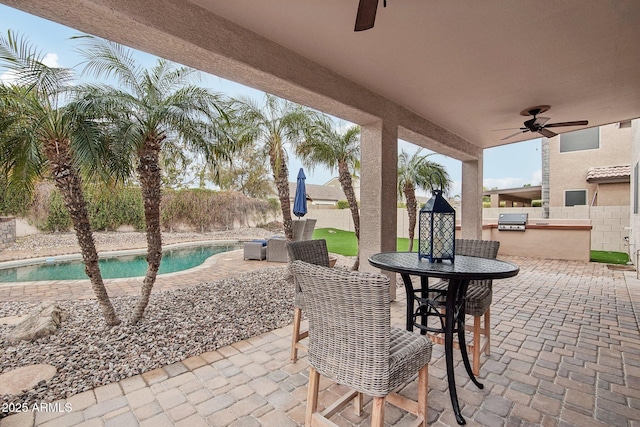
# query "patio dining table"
(459, 273)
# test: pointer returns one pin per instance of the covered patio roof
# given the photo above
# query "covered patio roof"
(449, 76)
(466, 69)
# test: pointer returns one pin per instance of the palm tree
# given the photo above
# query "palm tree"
(417, 171)
(39, 132)
(278, 124)
(328, 146)
(153, 111)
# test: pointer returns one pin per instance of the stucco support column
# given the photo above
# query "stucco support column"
(378, 192)
(471, 220)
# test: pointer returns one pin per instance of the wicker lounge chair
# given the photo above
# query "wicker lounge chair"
(478, 301)
(309, 226)
(255, 250)
(313, 252)
(351, 342)
(277, 249)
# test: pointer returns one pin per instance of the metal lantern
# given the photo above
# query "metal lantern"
(437, 237)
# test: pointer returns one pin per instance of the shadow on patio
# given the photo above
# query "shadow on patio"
(565, 352)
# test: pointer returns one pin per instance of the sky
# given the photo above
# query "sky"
(507, 166)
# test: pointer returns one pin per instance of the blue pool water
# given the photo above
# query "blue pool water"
(173, 259)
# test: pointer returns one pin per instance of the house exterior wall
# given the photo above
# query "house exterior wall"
(568, 170)
(613, 194)
(634, 209)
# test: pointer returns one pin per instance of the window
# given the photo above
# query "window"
(575, 197)
(585, 139)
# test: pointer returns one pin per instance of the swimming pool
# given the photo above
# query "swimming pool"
(116, 265)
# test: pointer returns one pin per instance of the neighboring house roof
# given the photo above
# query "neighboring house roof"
(609, 174)
(319, 193)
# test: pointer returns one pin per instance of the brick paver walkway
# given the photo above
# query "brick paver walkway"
(565, 352)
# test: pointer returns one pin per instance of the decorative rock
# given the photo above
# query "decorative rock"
(43, 321)
(12, 320)
(25, 378)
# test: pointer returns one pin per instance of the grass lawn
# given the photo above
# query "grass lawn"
(609, 257)
(345, 243)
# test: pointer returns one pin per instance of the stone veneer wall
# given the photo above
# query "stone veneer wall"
(7, 231)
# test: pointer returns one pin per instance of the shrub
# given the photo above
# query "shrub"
(57, 218)
(207, 210)
(109, 209)
(342, 204)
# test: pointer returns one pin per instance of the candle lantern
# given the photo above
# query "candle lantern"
(437, 234)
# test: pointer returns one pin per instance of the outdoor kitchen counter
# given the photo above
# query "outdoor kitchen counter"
(542, 238)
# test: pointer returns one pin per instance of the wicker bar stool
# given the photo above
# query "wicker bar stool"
(478, 300)
(313, 252)
(351, 342)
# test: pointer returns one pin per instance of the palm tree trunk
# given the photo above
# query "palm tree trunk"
(412, 206)
(69, 183)
(346, 182)
(150, 182)
(281, 178)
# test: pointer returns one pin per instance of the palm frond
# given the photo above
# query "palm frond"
(104, 58)
(25, 63)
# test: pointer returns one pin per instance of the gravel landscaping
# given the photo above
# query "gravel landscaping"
(177, 324)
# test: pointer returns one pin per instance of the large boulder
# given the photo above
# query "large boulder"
(42, 322)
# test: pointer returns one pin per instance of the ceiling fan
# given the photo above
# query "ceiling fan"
(366, 16)
(538, 124)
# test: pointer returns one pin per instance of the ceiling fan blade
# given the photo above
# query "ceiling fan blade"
(498, 130)
(517, 133)
(366, 16)
(576, 123)
(540, 121)
(547, 133)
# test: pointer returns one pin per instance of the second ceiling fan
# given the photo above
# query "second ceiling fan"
(538, 124)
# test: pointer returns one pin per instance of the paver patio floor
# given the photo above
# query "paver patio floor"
(565, 352)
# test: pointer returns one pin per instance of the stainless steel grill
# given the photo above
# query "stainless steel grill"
(512, 221)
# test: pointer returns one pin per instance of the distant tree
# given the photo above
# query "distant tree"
(247, 173)
(417, 171)
(327, 145)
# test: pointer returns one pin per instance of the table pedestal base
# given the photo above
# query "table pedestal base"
(451, 321)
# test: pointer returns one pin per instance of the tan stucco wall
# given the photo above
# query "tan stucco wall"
(634, 218)
(568, 171)
(613, 194)
(568, 244)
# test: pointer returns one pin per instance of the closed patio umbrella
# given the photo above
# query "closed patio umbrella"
(300, 200)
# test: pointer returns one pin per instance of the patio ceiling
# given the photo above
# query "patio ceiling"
(457, 69)
(470, 67)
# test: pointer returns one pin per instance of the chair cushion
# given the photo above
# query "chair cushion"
(479, 296)
(263, 241)
(478, 299)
